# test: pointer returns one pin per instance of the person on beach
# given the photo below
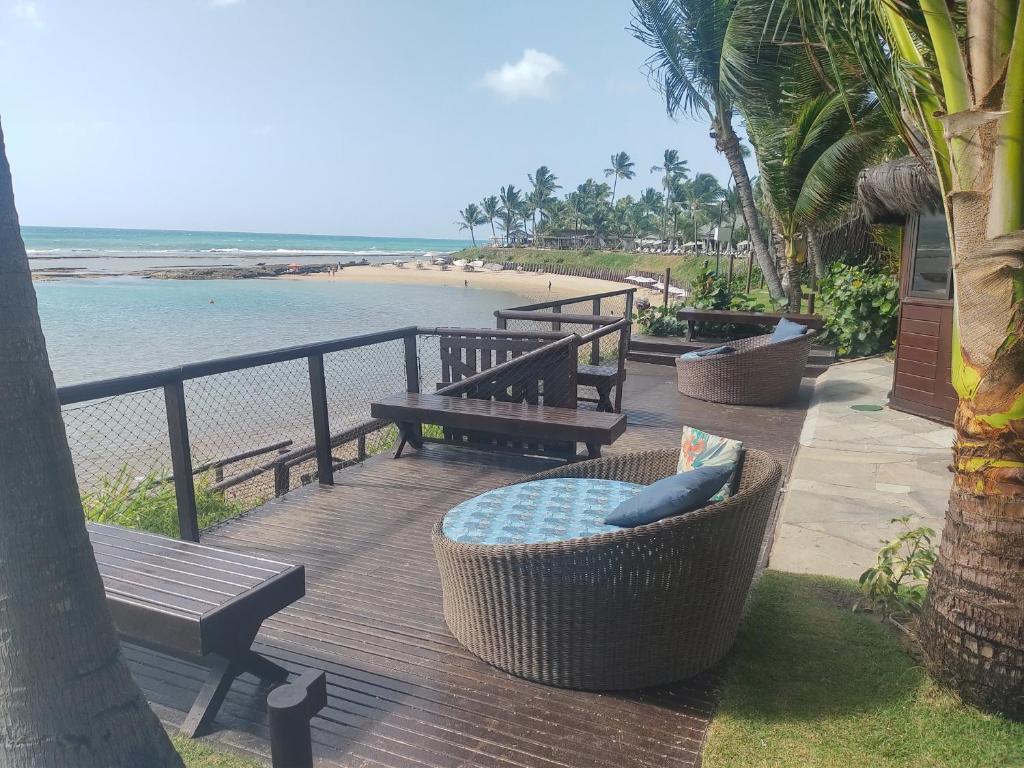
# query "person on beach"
(549, 285)
(465, 283)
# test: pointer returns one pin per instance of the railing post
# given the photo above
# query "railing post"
(181, 461)
(555, 325)
(595, 345)
(668, 279)
(290, 708)
(412, 372)
(282, 479)
(321, 420)
(625, 335)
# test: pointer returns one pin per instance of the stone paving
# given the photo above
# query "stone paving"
(855, 471)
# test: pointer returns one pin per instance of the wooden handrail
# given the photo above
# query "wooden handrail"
(572, 300)
(605, 330)
(549, 317)
(496, 333)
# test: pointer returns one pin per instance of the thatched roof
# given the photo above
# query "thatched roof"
(890, 192)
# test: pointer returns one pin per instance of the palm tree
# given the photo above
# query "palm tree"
(469, 217)
(674, 170)
(66, 695)
(490, 206)
(964, 94)
(544, 185)
(686, 37)
(621, 168)
(510, 210)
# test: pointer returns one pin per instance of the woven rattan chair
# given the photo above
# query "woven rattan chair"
(639, 607)
(759, 372)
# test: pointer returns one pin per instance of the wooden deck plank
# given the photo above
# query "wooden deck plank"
(401, 690)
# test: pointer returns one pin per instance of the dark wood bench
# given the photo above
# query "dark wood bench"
(692, 316)
(522, 421)
(603, 378)
(194, 601)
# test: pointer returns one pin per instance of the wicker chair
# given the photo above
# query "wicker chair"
(639, 607)
(759, 372)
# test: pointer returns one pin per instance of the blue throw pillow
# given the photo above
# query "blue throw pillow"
(787, 329)
(699, 353)
(672, 496)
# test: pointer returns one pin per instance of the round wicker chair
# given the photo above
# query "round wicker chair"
(759, 372)
(639, 607)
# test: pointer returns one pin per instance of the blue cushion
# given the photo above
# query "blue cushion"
(787, 329)
(673, 495)
(538, 511)
(698, 353)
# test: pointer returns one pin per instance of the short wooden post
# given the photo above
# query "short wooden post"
(731, 259)
(181, 461)
(595, 345)
(321, 420)
(282, 479)
(290, 708)
(555, 325)
(412, 373)
(361, 447)
(668, 278)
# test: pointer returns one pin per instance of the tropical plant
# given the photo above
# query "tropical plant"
(952, 72)
(673, 170)
(545, 183)
(898, 581)
(469, 217)
(67, 697)
(490, 206)
(510, 210)
(687, 37)
(621, 168)
(864, 303)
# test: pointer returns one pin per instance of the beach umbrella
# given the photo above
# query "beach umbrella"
(658, 286)
(459, 263)
(476, 263)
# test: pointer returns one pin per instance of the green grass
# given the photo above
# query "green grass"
(814, 684)
(198, 755)
(683, 267)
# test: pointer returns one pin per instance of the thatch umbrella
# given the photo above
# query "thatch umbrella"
(890, 192)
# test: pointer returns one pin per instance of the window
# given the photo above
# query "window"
(930, 276)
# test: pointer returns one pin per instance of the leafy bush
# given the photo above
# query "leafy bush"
(864, 306)
(148, 503)
(659, 321)
(897, 583)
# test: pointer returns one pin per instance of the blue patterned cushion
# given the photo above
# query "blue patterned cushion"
(702, 449)
(539, 511)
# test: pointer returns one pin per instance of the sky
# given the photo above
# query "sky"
(353, 117)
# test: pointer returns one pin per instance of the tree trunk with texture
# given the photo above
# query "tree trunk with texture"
(972, 625)
(728, 143)
(67, 699)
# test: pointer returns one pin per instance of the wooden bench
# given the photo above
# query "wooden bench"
(728, 316)
(521, 421)
(603, 378)
(194, 601)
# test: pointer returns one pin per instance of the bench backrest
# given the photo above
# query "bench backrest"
(689, 314)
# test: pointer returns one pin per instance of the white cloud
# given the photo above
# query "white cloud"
(28, 12)
(529, 78)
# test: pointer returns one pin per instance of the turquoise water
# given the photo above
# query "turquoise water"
(121, 250)
(103, 327)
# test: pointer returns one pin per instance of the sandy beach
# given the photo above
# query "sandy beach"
(532, 285)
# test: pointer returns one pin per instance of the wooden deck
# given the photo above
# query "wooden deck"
(402, 691)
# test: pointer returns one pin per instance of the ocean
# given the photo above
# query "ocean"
(106, 326)
(116, 251)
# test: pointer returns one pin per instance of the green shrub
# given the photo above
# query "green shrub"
(896, 584)
(148, 503)
(659, 321)
(864, 306)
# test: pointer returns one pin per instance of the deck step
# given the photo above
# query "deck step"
(668, 345)
(656, 358)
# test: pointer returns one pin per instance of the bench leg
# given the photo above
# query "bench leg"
(211, 696)
(604, 399)
(593, 451)
(407, 433)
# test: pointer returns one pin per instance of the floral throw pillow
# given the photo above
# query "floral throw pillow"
(702, 449)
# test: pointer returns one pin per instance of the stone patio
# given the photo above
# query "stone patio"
(855, 471)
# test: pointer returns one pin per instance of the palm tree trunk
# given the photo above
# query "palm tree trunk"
(728, 143)
(472, 236)
(67, 699)
(615, 184)
(972, 626)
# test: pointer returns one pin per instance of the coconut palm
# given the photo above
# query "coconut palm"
(686, 37)
(469, 217)
(673, 170)
(490, 206)
(621, 168)
(510, 210)
(953, 73)
(545, 183)
(66, 695)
